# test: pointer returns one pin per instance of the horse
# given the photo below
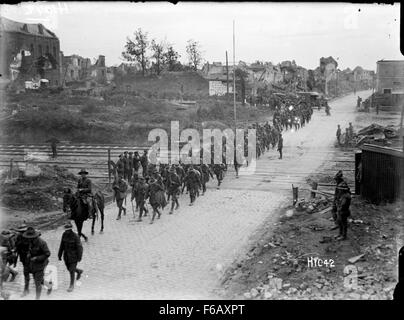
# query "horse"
(79, 211)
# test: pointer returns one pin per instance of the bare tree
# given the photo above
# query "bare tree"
(194, 54)
(135, 50)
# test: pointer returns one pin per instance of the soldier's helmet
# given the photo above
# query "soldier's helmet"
(338, 175)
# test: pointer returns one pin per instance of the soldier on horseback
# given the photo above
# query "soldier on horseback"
(84, 191)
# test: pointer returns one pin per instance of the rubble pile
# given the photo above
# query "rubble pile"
(375, 133)
(40, 193)
(312, 205)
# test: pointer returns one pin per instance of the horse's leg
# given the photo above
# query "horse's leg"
(79, 224)
(92, 225)
(102, 220)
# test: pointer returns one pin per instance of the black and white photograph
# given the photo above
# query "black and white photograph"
(215, 151)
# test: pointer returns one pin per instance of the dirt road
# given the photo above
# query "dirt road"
(183, 256)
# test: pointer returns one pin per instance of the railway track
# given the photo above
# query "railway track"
(94, 157)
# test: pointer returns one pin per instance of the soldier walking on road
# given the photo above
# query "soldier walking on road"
(339, 135)
(141, 197)
(173, 188)
(120, 187)
(72, 251)
(280, 145)
(192, 182)
(346, 138)
(36, 260)
(343, 211)
(156, 197)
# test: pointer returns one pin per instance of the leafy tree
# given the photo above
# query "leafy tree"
(135, 50)
(194, 54)
(171, 59)
(158, 55)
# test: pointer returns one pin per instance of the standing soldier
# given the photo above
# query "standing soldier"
(136, 161)
(339, 135)
(339, 180)
(130, 164)
(173, 188)
(343, 211)
(346, 137)
(120, 165)
(120, 187)
(36, 260)
(141, 197)
(280, 145)
(72, 251)
(126, 166)
(351, 131)
(144, 161)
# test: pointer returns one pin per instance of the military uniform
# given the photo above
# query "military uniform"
(173, 188)
(36, 260)
(343, 211)
(85, 192)
(280, 146)
(141, 196)
(120, 187)
(192, 182)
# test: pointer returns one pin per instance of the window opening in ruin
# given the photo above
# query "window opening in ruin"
(40, 50)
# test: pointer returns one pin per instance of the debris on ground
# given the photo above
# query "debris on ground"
(375, 133)
(312, 205)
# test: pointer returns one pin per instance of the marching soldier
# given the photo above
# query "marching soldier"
(351, 131)
(205, 174)
(72, 251)
(135, 185)
(141, 197)
(36, 260)
(192, 182)
(156, 197)
(120, 187)
(173, 188)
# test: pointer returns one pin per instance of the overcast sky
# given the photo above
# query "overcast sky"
(354, 34)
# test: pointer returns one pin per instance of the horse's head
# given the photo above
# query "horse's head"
(68, 198)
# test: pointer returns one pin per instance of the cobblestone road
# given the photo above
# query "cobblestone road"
(182, 256)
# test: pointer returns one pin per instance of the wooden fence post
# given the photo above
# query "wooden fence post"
(11, 169)
(109, 168)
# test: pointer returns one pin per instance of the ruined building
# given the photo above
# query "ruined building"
(29, 51)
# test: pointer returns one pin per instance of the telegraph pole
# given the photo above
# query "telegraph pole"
(234, 77)
(227, 75)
